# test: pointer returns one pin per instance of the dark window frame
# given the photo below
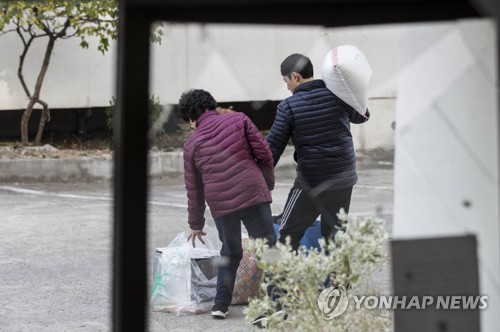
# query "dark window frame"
(131, 147)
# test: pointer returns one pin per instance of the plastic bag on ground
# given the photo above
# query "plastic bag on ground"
(185, 278)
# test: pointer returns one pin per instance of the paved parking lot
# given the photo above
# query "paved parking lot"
(56, 240)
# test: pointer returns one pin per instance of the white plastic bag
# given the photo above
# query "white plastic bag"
(185, 278)
(347, 73)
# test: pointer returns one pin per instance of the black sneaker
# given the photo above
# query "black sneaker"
(261, 321)
(219, 311)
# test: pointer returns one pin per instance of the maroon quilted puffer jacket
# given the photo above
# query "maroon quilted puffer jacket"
(228, 163)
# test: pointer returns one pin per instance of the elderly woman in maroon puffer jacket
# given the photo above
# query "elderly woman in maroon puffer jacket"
(228, 164)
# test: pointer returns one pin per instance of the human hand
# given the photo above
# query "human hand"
(196, 234)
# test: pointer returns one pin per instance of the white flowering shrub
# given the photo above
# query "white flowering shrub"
(350, 260)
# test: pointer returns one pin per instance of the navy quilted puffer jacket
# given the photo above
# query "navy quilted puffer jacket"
(228, 163)
(318, 123)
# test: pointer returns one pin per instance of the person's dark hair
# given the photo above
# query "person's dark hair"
(194, 103)
(297, 63)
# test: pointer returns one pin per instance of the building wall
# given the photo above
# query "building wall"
(234, 62)
(76, 77)
(446, 156)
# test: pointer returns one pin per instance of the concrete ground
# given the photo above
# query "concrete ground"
(56, 240)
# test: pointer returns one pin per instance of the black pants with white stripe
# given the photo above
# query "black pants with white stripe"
(302, 208)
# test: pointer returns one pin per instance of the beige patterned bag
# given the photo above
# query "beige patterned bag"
(248, 279)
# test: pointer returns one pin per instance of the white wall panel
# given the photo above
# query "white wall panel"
(75, 78)
(250, 56)
(446, 162)
(234, 62)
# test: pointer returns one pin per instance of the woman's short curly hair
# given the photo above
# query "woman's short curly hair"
(194, 103)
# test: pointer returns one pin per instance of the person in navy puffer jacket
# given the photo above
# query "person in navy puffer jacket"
(318, 123)
(228, 164)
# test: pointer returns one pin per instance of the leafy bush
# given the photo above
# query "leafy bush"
(355, 254)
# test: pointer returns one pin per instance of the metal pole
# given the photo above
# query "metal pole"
(130, 173)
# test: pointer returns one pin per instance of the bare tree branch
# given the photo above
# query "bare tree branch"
(7, 31)
(21, 64)
(44, 105)
(66, 26)
(27, 30)
(42, 35)
(36, 95)
(43, 119)
(96, 20)
(47, 30)
(18, 29)
(71, 35)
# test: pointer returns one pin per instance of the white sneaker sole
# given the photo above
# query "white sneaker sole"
(219, 314)
(262, 321)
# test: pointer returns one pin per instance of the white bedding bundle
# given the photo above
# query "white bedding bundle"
(347, 74)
